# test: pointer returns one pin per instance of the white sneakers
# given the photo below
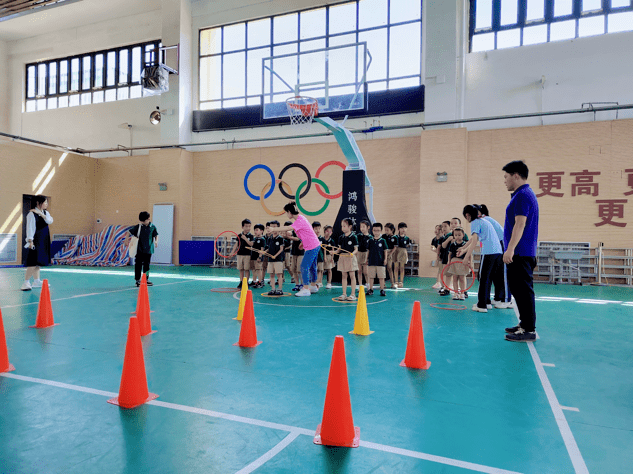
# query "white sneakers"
(303, 292)
(328, 286)
(37, 284)
(26, 286)
(502, 305)
(478, 309)
(314, 289)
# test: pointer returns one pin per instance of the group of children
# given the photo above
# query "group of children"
(363, 256)
(449, 238)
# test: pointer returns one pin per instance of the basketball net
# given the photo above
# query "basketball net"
(302, 110)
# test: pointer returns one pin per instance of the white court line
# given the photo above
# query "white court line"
(270, 454)
(545, 364)
(236, 296)
(91, 294)
(569, 408)
(568, 437)
(555, 298)
(266, 424)
(154, 274)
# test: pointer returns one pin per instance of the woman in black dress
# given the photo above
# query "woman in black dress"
(38, 242)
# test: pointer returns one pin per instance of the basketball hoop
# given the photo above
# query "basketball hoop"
(302, 110)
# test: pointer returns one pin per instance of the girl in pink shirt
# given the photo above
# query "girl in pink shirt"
(311, 245)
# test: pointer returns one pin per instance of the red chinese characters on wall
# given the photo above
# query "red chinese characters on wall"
(608, 209)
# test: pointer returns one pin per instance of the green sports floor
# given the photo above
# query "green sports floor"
(563, 404)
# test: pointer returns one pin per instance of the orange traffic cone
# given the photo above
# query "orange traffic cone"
(415, 358)
(248, 331)
(44, 309)
(337, 427)
(143, 296)
(133, 389)
(4, 353)
(144, 320)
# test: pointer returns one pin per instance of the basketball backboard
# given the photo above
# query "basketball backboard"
(334, 76)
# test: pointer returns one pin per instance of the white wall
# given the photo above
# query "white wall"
(4, 88)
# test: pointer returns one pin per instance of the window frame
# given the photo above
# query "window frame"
(357, 31)
(154, 59)
(548, 18)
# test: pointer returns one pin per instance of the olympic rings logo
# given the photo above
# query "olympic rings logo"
(286, 190)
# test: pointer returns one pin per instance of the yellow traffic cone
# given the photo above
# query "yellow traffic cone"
(240, 309)
(361, 324)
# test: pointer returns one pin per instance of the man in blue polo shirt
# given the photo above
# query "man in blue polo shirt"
(490, 265)
(520, 238)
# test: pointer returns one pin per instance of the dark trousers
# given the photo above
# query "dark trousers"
(500, 281)
(489, 268)
(521, 281)
(141, 264)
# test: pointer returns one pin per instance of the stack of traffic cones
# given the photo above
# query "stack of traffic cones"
(5, 366)
(133, 389)
(143, 310)
(361, 323)
(44, 309)
(248, 331)
(415, 357)
(337, 427)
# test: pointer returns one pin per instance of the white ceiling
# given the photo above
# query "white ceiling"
(73, 15)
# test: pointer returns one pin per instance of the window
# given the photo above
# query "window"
(230, 56)
(498, 24)
(102, 76)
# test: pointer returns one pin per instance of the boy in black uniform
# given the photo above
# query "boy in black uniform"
(287, 245)
(259, 243)
(401, 253)
(377, 260)
(328, 255)
(347, 263)
(446, 228)
(316, 227)
(458, 272)
(392, 242)
(266, 236)
(244, 254)
(276, 264)
(147, 241)
(363, 236)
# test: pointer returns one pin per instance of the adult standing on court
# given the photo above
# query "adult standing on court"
(38, 242)
(503, 296)
(520, 239)
(311, 246)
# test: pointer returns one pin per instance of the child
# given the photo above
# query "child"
(244, 254)
(392, 241)
(296, 250)
(287, 245)
(363, 237)
(316, 227)
(435, 250)
(328, 256)
(443, 252)
(267, 237)
(449, 239)
(347, 263)
(276, 262)
(259, 243)
(147, 242)
(401, 256)
(458, 272)
(377, 259)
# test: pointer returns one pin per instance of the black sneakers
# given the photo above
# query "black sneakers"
(369, 292)
(279, 292)
(521, 336)
(149, 283)
(513, 329)
(444, 292)
(138, 282)
(239, 287)
(382, 293)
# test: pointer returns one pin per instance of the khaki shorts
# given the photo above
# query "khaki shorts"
(319, 266)
(296, 263)
(243, 262)
(458, 270)
(276, 268)
(257, 265)
(288, 262)
(402, 256)
(347, 264)
(362, 258)
(329, 263)
(380, 272)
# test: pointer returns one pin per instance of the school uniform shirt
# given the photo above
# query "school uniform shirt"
(320, 256)
(362, 241)
(404, 241)
(329, 241)
(348, 242)
(287, 245)
(376, 248)
(274, 245)
(295, 250)
(450, 234)
(259, 243)
(434, 242)
(243, 250)
(452, 250)
(443, 251)
(487, 236)
(146, 237)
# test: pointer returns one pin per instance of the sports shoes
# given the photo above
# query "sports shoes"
(382, 293)
(26, 286)
(239, 287)
(466, 294)
(279, 292)
(461, 297)
(138, 283)
(319, 284)
(37, 284)
(303, 292)
(401, 285)
(272, 293)
(297, 288)
(149, 283)
(521, 336)
(328, 286)
(292, 279)
(513, 329)
(502, 305)
(313, 289)
(369, 292)
(489, 306)
(456, 296)
(444, 292)
(479, 310)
